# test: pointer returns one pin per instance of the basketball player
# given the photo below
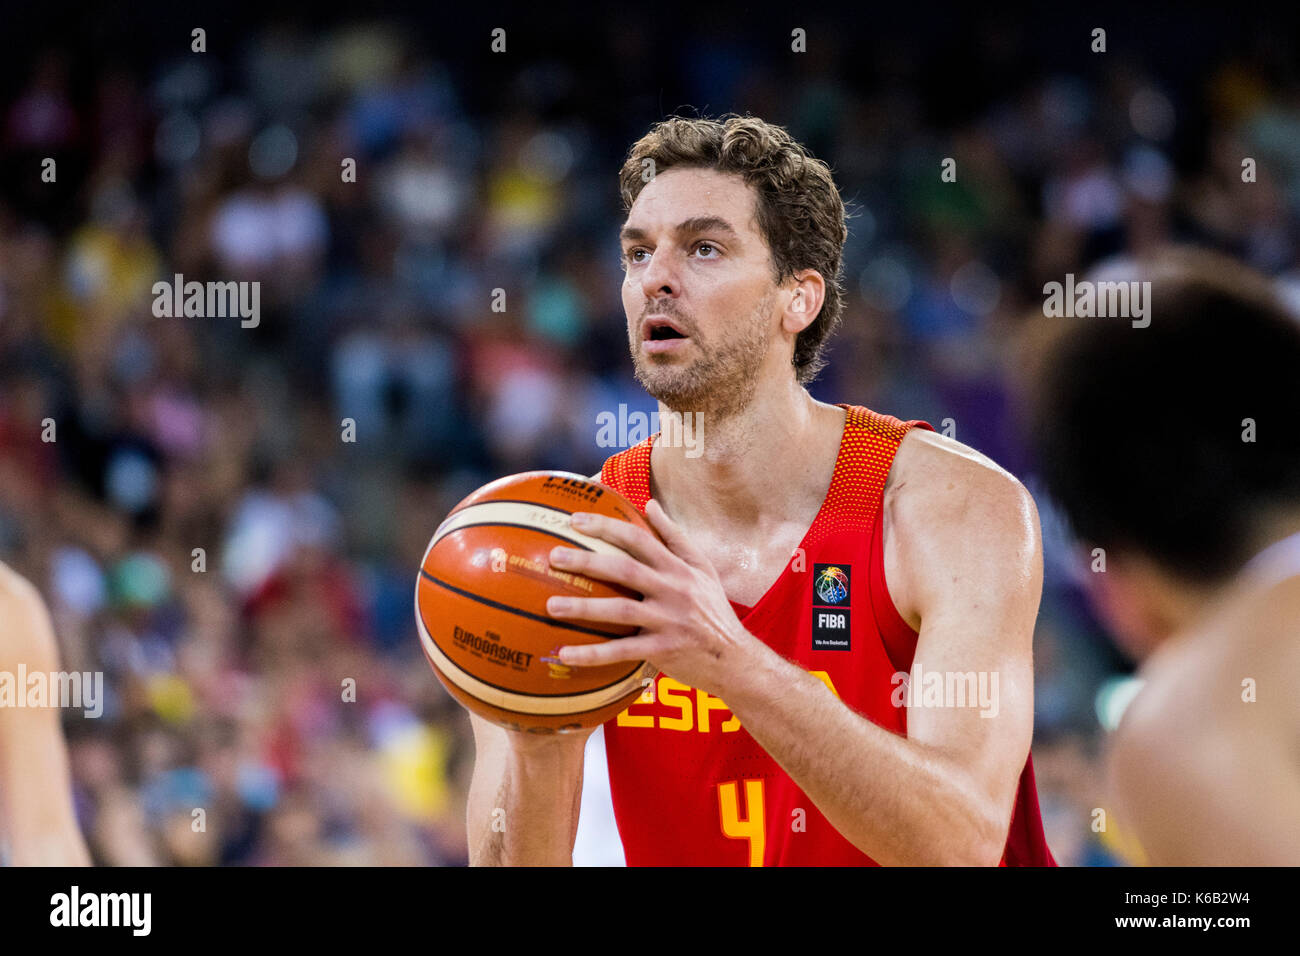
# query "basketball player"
(1175, 448)
(812, 555)
(36, 816)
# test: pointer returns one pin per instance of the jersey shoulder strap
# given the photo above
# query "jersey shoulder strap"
(628, 472)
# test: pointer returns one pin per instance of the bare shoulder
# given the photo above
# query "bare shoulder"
(1260, 631)
(16, 590)
(19, 599)
(1180, 736)
(1220, 673)
(25, 631)
(925, 457)
(940, 477)
(1215, 707)
(952, 513)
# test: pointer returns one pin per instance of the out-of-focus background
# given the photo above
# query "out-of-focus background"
(478, 171)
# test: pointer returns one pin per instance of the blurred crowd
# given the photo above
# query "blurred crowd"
(243, 575)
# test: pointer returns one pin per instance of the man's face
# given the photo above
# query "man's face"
(699, 292)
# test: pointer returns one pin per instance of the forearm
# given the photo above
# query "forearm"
(523, 805)
(896, 799)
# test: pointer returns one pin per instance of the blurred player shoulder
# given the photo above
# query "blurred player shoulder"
(16, 592)
(1217, 704)
(27, 635)
(947, 505)
(1214, 666)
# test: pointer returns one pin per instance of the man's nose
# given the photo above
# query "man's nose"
(660, 275)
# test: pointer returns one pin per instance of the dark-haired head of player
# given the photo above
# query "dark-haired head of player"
(754, 229)
(1175, 447)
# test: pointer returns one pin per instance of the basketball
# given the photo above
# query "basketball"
(480, 605)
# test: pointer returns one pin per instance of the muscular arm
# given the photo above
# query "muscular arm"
(967, 561)
(35, 785)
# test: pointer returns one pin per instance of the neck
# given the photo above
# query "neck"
(751, 465)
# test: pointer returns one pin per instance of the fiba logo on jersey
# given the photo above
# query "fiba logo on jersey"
(832, 584)
(830, 607)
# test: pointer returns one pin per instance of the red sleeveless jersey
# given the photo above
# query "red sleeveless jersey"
(690, 786)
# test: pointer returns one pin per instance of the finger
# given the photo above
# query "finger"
(606, 610)
(619, 568)
(611, 652)
(675, 539)
(636, 541)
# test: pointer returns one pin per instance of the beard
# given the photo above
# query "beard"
(721, 380)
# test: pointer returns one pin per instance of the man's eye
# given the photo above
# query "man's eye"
(707, 245)
(631, 256)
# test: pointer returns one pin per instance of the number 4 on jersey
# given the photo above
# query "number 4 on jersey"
(752, 826)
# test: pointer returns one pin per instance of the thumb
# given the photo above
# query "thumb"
(675, 539)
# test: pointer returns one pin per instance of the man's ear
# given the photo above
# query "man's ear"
(807, 295)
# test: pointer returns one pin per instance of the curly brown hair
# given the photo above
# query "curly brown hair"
(800, 213)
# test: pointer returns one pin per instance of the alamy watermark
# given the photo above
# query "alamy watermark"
(133, 911)
(35, 689)
(622, 429)
(208, 300)
(1086, 299)
(924, 688)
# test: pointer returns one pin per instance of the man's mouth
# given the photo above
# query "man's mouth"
(659, 329)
